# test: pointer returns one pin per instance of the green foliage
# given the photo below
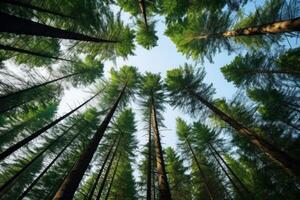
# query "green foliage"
(146, 36)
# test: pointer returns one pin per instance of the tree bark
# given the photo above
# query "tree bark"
(288, 163)
(143, 10)
(24, 51)
(32, 7)
(163, 185)
(283, 26)
(149, 163)
(26, 140)
(203, 176)
(107, 172)
(17, 25)
(48, 167)
(231, 171)
(90, 196)
(71, 182)
(112, 179)
(10, 181)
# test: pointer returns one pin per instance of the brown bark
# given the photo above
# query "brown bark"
(163, 185)
(71, 182)
(283, 26)
(17, 25)
(143, 10)
(203, 176)
(288, 163)
(149, 163)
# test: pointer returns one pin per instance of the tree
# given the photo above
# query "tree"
(187, 91)
(177, 174)
(126, 79)
(151, 91)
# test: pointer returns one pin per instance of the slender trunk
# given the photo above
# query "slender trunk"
(241, 194)
(10, 181)
(48, 167)
(288, 163)
(163, 185)
(70, 184)
(107, 172)
(143, 10)
(149, 174)
(90, 196)
(26, 140)
(230, 170)
(112, 179)
(17, 25)
(283, 26)
(203, 176)
(24, 51)
(10, 95)
(153, 179)
(32, 7)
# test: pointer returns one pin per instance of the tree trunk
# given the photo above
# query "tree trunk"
(17, 25)
(10, 181)
(163, 185)
(32, 7)
(241, 194)
(284, 26)
(90, 196)
(200, 170)
(230, 170)
(21, 143)
(48, 167)
(149, 163)
(288, 163)
(143, 10)
(71, 182)
(107, 172)
(112, 179)
(10, 95)
(24, 51)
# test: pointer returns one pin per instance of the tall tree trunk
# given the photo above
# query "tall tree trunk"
(288, 163)
(10, 95)
(71, 182)
(48, 167)
(112, 179)
(149, 163)
(21, 143)
(17, 25)
(283, 26)
(107, 171)
(32, 7)
(90, 196)
(10, 181)
(143, 10)
(203, 176)
(24, 51)
(230, 170)
(163, 185)
(241, 194)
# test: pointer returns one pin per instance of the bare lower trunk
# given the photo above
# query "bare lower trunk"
(112, 179)
(24, 51)
(149, 163)
(143, 10)
(163, 185)
(203, 176)
(17, 25)
(285, 161)
(26, 140)
(71, 182)
(284, 26)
